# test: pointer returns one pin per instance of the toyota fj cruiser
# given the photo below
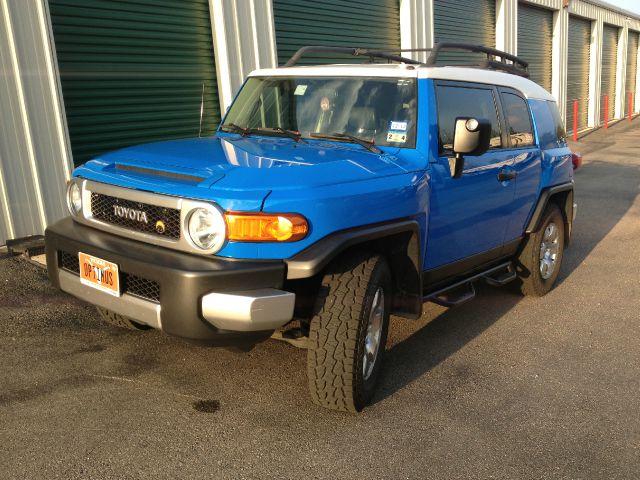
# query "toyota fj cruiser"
(330, 198)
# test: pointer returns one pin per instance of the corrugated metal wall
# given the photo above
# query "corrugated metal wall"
(535, 42)
(350, 23)
(608, 75)
(133, 71)
(578, 71)
(34, 155)
(458, 21)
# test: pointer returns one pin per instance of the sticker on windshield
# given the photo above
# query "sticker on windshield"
(395, 126)
(300, 89)
(396, 137)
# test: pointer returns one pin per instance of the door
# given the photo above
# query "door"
(608, 78)
(468, 215)
(464, 21)
(134, 71)
(535, 36)
(526, 160)
(632, 71)
(578, 72)
(353, 23)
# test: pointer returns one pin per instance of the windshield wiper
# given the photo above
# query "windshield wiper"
(368, 144)
(244, 131)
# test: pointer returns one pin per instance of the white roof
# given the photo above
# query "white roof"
(463, 74)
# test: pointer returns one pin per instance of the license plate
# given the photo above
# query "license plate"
(100, 274)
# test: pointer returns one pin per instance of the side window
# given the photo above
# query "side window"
(518, 120)
(561, 133)
(456, 102)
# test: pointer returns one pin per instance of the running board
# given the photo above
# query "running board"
(448, 297)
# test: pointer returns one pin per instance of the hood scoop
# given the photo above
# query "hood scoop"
(194, 179)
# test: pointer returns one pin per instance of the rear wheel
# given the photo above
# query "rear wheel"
(539, 262)
(120, 321)
(348, 332)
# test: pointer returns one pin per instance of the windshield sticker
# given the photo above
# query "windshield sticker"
(396, 126)
(396, 137)
(300, 89)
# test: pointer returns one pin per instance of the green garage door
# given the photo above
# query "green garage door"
(535, 37)
(341, 23)
(133, 71)
(632, 71)
(464, 21)
(578, 71)
(608, 75)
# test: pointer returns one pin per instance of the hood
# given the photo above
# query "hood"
(231, 165)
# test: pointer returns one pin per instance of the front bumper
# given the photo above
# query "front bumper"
(222, 302)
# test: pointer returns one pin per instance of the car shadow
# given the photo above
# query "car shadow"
(604, 193)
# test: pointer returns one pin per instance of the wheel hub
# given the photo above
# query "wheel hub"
(549, 250)
(374, 334)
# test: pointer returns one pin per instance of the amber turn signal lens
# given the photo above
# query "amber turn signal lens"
(253, 227)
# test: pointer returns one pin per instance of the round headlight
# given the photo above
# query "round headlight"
(207, 228)
(74, 199)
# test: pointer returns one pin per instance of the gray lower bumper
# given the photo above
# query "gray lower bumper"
(133, 307)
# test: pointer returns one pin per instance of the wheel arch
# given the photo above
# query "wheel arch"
(398, 241)
(560, 195)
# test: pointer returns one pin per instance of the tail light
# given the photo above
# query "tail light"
(576, 159)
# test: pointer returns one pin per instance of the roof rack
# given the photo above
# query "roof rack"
(496, 59)
(354, 51)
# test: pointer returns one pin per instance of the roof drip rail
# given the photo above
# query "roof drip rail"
(496, 59)
(353, 51)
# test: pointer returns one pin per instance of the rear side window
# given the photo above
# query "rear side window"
(518, 120)
(561, 133)
(551, 133)
(456, 102)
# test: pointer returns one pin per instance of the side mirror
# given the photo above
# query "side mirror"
(471, 136)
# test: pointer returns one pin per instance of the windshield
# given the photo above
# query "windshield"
(378, 110)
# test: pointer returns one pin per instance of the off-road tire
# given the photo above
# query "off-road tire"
(338, 331)
(530, 280)
(120, 321)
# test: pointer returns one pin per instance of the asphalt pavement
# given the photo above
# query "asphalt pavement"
(502, 387)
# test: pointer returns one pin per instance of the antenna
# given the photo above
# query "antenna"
(201, 111)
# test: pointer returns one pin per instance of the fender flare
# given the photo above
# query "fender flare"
(405, 255)
(543, 201)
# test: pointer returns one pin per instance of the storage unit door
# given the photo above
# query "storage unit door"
(632, 72)
(337, 23)
(578, 72)
(608, 75)
(467, 22)
(535, 37)
(133, 71)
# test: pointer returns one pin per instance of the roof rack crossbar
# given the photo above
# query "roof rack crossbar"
(353, 51)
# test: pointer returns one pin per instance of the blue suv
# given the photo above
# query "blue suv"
(330, 198)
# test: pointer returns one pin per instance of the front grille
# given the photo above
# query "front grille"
(142, 287)
(161, 221)
(70, 262)
(129, 283)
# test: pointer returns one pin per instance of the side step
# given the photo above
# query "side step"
(463, 291)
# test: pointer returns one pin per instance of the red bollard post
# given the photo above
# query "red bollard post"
(575, 120)
(630, 107)
(606, 111)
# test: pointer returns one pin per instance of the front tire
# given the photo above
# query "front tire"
(538, 264)
(348, 332)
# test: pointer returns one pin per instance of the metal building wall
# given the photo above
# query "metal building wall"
(34, 147)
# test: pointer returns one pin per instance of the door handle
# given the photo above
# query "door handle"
(506, 175)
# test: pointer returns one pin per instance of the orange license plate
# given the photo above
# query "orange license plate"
(100, 274)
